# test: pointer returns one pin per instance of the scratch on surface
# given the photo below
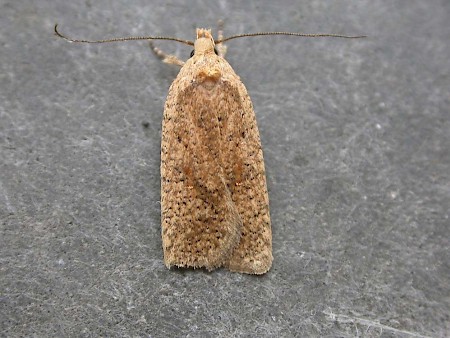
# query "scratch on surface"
(5, 197)
(370, 323)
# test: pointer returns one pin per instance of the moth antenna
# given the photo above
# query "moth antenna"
(130, 38)
(318, 35)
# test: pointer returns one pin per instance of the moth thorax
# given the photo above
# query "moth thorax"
(209, 77)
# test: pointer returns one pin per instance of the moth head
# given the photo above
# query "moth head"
(204, 44)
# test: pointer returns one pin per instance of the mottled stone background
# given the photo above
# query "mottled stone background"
(356, 137)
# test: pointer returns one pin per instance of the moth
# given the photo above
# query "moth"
(214, 199)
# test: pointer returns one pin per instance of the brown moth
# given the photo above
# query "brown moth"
(214, 200)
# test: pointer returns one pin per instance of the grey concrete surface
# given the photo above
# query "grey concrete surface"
(356, 137)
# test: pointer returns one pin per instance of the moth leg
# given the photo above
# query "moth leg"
(166, 58)
(221, 48)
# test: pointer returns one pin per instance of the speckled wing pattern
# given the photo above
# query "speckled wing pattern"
(214, 201)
